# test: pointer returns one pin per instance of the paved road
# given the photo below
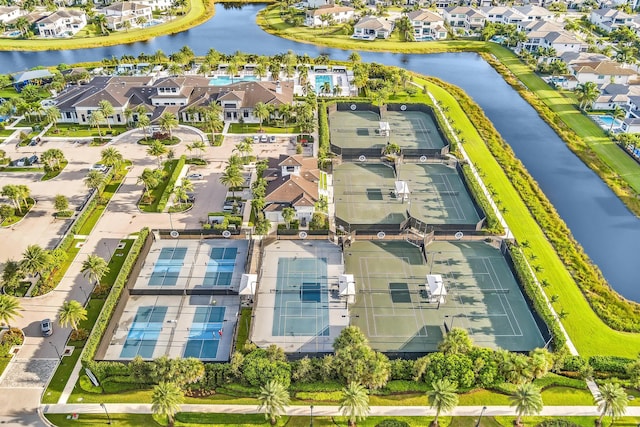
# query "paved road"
(462, 411)
(26, 377)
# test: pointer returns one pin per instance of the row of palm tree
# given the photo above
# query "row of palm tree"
(18, 194)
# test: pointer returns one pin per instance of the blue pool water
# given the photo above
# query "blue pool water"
(302, 300)
(144, 332)
(607, 120)
(222, 262)
(205, 333)
(226, 80)
(151, 23)
(167, 268)
(321, 79)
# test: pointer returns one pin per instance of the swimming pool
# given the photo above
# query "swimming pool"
(144, 332)
(226, 80)
(302, 298)
(605, 121)
(151, 23)
(321, 83)
(205, 333)
(222, 262)
(167, 268)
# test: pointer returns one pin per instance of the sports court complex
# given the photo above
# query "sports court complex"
(363, 130)
(396, 312)
(366, 197)
(183, 303)
(298, 306)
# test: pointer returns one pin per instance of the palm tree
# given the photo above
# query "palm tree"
(34, 260)
(443, 397)
(231, 178)
(52, 116)
(100, 20)
(617, 114)
(95, 119)
(143, 122)
(149, 179)
(200, 147)
(456, 341)
(107, 110)
(168, 121)
(273, 398)
(52, 158)
(354, 403)
(527, 400)
(181, 194)
(9, 309)
(391, 149)
(94, 267)
(71, 313)
(111, 157)
(94, 180)
(288, 214)
(12, 193)
(157, 149)
(586, 93)
(166, 400)
(612, 400)
(261, 111)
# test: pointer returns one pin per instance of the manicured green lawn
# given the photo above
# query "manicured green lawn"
(50, 175)
(18, 215)
(588, 333)
(255, 128)
(10, 169)
(4, 361)
(6, 132)
(244, 326)
(156, 193)
(79, 131)
(59, 379)
(197, 12)
(121, 420)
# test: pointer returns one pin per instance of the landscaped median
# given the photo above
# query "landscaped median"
(198, 11)
(587, 331)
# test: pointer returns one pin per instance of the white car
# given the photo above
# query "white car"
(194, 176)
(98, 167)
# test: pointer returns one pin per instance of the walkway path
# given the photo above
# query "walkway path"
(460, 411)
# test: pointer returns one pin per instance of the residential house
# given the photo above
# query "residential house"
(62, 23)
(631, 125)
(501, 14)
(548, 34)
(601, 72)
(9, 13)
(466, 18)
(178, 95)
(157, 4)
(292, 181)
(427, 25)
(313, 4)
(610, 19)
(372, 27)
(612, 95)
(337, 14)
(533, 12)
(122, 14)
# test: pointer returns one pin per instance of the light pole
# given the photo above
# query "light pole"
(311, 417)
(105, 411)
(484, 408)
(56, 349)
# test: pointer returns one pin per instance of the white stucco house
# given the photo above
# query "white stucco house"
(338, 14)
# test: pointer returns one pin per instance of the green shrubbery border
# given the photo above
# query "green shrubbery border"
(168, 190)
(492, 223)
(110, 303)
(617, 312)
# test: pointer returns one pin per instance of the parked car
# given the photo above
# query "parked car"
(264, 138)
(272, 138)
(98, 167)
(195, 176)
(35, 141)
(191, 198)
(256, 139)
(46, 328)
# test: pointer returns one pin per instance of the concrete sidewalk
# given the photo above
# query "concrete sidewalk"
(461, 411)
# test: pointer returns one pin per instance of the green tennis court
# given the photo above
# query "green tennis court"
(438, 194)
(413, 130)
(355, 129)
(393, 307)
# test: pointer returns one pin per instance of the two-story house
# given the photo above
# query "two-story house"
(466, 18)
(62, 23)
(549, 34)
(372, 27)
(9, 13)
(292, 181)
(601, 72)
(122, 14)
(427, 25)
(337, 14)
(610, 19)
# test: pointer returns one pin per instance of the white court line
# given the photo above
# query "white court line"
(513, 316)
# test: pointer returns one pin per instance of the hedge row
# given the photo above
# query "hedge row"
(492, 224)
(617, 312)
(168, 190)
(100, 326)
(537, 298)
(324, 145)
(610, 364)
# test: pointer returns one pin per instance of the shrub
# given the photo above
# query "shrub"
(13, 336)
(492, 224)
(557, 423)
(392, 423)
(162, 203)
(573, 363)
(610, 364)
